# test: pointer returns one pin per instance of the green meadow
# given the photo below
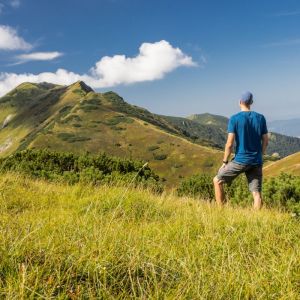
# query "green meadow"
(59, 241)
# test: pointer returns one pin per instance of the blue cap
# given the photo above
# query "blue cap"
(247, 98)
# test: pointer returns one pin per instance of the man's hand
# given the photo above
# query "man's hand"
(223, 166)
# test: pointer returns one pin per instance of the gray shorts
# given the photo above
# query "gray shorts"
(233, 169)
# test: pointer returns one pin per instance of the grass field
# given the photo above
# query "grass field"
(83, 242)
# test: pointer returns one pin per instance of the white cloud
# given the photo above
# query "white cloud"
(153, 62)
(22, 58)
(10, 80)
(15, 3)
(10, 40)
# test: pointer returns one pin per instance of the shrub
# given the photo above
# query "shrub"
(89, 107)
(198, 186)
(152, 148)
(177, 166)
(160, 156)
(117, 128)
(281, 192)
(72, 117)
(71, 138)
(94, 101)
(72, 168)
(118, 119)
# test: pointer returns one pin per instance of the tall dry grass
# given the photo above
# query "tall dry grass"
(84, 242)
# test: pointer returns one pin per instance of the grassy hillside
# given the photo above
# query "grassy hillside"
(289, 164)
(210, 119)
(77, 119)
(84, 242)
(204, 134)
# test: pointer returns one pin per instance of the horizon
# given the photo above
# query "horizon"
(169, 57)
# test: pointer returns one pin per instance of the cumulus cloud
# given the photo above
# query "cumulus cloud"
(153, 61)
(35, 56)
(15, 3)
(10, 40)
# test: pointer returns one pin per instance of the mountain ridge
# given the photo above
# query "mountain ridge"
(76, 118)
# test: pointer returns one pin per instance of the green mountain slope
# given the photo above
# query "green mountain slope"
(200, 133)
(210, 119)
(75, 118)
(289, 164)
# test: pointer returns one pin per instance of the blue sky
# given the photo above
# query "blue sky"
(225, 48)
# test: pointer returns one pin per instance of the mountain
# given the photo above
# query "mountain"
(214, 127)
(75, 118)
(210, 119)
(286, 127)
(289, 164)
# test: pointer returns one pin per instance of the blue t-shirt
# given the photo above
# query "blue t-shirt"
(248, 127)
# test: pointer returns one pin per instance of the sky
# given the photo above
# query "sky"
(172, 57)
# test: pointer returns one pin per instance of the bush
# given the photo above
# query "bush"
(282, 192)
(160, 156)
(72, 117)
(72, 138)
(177, 166)
(198, 186)
(89, 107)
(119, 119)
(72, 168)
(117, 128)
(152, 148)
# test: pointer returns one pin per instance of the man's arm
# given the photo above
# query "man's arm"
(265, 142)
(229, 146)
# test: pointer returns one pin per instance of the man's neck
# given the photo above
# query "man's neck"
(244, 108)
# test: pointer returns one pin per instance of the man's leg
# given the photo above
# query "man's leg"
(219, 191)
(257, 204)
(254, 176)
(226, 175)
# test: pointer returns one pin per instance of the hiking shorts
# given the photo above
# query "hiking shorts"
(233, 169)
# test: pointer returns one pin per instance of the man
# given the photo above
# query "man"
(249, 130)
